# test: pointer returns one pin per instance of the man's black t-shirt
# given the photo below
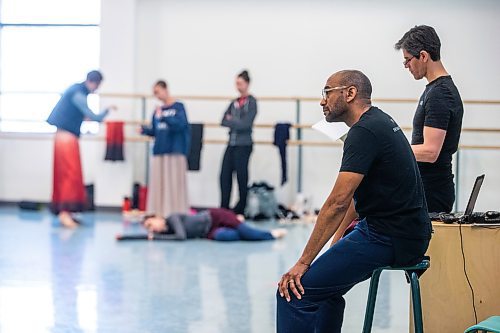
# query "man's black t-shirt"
(440, 106)
(391, 195)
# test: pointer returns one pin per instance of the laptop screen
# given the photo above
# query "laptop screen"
(474, 195)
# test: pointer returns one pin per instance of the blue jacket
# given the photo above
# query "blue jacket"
(171, 130)
(70, 111)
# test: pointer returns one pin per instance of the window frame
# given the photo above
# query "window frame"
(89, 128)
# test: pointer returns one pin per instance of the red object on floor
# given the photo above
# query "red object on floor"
(126, 204)
(68, 192)
(143, 195)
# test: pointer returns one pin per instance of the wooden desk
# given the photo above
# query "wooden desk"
(446, 295)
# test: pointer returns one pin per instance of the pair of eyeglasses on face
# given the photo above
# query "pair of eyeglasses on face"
(325, 91)
(407, 61)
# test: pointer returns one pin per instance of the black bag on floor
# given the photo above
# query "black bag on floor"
(29, 205)
(89, 189)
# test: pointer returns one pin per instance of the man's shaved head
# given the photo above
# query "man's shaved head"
(353, 78)
(346, 95)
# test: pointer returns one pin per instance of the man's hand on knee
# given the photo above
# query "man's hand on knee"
(291, 280)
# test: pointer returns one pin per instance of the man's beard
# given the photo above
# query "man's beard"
(337, 111)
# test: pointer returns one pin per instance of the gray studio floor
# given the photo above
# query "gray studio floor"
(57, 280)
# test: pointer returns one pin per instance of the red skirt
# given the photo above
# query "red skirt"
(68, 192)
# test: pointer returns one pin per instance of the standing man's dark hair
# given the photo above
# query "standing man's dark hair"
(94, 76)
(438, 120)
(421, 38)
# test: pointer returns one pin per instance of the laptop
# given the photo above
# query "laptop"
(472, 199)
(469, 210)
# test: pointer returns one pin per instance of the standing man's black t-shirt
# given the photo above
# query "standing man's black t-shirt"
(440, 106)
(391, 194)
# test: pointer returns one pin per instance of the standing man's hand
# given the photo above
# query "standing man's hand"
(291, 280)
(112, 108)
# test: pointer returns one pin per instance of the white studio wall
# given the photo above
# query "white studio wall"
(290, 48)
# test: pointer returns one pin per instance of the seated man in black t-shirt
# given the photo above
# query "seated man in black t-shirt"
(379, 182)
(438, 120)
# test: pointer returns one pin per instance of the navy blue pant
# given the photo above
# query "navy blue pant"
(242, 232)
(350, 261)
(236, 159)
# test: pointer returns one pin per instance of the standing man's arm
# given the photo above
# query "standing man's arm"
(431, 148)
(80, 101)
(329, 219)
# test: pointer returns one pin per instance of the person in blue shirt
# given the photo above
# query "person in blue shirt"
(68, 193)
(167, 188)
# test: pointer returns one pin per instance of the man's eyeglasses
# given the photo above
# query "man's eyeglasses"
(325, 91)
(407, 61)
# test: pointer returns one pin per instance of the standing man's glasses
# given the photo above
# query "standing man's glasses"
(407, 61)
(325, 91)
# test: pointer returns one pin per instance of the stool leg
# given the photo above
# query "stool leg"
(417, 304)
(372, 298)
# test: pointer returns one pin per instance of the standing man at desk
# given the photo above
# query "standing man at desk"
(438, 120)
(380, 172)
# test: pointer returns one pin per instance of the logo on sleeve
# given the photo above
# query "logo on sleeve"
(397, 128)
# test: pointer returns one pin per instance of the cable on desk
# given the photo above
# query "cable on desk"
(465, 271)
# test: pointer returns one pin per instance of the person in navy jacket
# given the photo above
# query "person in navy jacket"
(167, 192)
(68, 193)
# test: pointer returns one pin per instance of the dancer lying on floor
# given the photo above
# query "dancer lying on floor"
(216, 223)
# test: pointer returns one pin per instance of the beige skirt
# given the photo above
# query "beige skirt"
(167, 190)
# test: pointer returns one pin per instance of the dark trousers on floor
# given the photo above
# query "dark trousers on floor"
(350, 261)
(242, 232)
(235, 159)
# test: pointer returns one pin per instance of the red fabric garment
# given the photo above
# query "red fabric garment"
(114, 141)
(68, 192)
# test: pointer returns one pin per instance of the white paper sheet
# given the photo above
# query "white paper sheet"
(335, 131)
